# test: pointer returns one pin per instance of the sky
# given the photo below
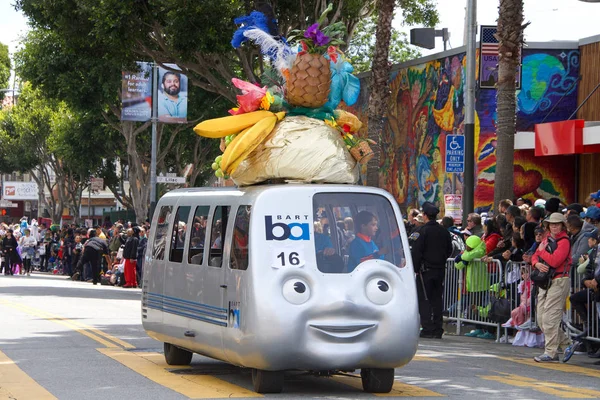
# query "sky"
(550, 20)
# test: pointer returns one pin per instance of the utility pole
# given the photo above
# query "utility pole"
(469, 174)
(154, 123)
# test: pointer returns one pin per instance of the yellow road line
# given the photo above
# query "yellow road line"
(398, 390)
(551, 388)
(16, 384)
(192, 386)
(574, 369)
(428, 359)
(101, 337)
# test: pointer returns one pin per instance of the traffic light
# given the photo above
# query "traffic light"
(3, 212)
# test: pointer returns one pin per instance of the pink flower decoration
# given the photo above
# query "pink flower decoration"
(332, 52)
(250, 98)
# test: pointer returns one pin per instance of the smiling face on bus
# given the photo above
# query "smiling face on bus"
(331, 286)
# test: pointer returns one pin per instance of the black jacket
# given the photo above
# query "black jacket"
(431, 245)
(142, 247)
(100, 245)
(9, 248)
(131, 246)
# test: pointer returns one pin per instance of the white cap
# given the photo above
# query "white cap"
(539, 202)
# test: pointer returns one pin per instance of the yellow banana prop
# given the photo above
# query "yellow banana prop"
(243, 144)
(221, 127)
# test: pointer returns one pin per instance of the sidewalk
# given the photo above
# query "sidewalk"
(486, 347)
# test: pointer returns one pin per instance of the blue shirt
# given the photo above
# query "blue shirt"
(360, 250)
(322, 242)
(171, 108)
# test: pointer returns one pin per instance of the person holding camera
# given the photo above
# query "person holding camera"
(553, 256)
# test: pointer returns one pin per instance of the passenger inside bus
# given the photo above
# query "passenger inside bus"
(327, 259)
(363, 247)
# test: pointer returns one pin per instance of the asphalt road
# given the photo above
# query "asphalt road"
(71, 340)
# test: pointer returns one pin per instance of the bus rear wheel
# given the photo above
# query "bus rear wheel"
(267, 381)
(377, 380)
(176, 356)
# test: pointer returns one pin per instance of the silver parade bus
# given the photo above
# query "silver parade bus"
(269, 277)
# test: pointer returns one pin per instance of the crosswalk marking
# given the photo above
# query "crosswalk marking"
(594, 373)
(16, 384)
(552, 388)
(398, 390)
(192, 386)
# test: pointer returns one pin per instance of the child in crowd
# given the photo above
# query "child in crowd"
(522, 313)
(477, 280)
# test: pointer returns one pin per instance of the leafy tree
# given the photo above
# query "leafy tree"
(510, 43)
(194, 35)
(5, 66)
(84, 69)
(90, 85)
(362, 46)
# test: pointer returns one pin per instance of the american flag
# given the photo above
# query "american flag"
(489, 44)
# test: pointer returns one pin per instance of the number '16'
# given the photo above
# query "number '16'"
(292, 258)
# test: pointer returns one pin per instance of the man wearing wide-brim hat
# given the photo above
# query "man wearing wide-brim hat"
(554, 252)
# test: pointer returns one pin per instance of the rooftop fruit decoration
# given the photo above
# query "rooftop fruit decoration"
(307, 75)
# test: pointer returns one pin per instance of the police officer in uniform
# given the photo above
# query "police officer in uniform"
(431, 245)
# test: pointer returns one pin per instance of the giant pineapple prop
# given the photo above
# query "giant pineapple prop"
(309, 81)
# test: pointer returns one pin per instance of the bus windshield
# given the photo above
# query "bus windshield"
(351, 228)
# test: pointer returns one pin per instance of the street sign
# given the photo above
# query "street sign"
(170, 179)
(455, 154)
(97, 184)
(8, 204)
(453, 207)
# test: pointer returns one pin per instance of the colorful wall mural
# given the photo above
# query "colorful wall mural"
(427, 104)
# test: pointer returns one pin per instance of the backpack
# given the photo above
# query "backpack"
(458, 245)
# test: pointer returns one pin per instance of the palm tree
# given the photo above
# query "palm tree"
(510, 40)
(379, 90)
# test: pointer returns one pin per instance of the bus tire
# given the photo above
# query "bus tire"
(176, 356)
(377, 380)
(267, 381)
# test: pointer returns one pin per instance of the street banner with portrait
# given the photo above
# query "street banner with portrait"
(172, 94)
(136, 89)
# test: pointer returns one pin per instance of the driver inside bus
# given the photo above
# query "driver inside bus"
(363, 247)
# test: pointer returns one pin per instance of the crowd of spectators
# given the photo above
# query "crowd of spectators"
(112, 254)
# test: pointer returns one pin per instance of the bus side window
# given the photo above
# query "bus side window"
(198, 235)
(179, 234)
(239, 247)
(217, 236)
(160, 235)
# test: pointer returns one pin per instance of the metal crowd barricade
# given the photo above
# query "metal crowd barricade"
(573, 320)
(468, 292)
(512, 279)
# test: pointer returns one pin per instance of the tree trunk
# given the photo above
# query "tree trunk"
(139, 174)
(510, 38)
(379, 90)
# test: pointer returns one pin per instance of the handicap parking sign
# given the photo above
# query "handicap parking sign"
(455, 154)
